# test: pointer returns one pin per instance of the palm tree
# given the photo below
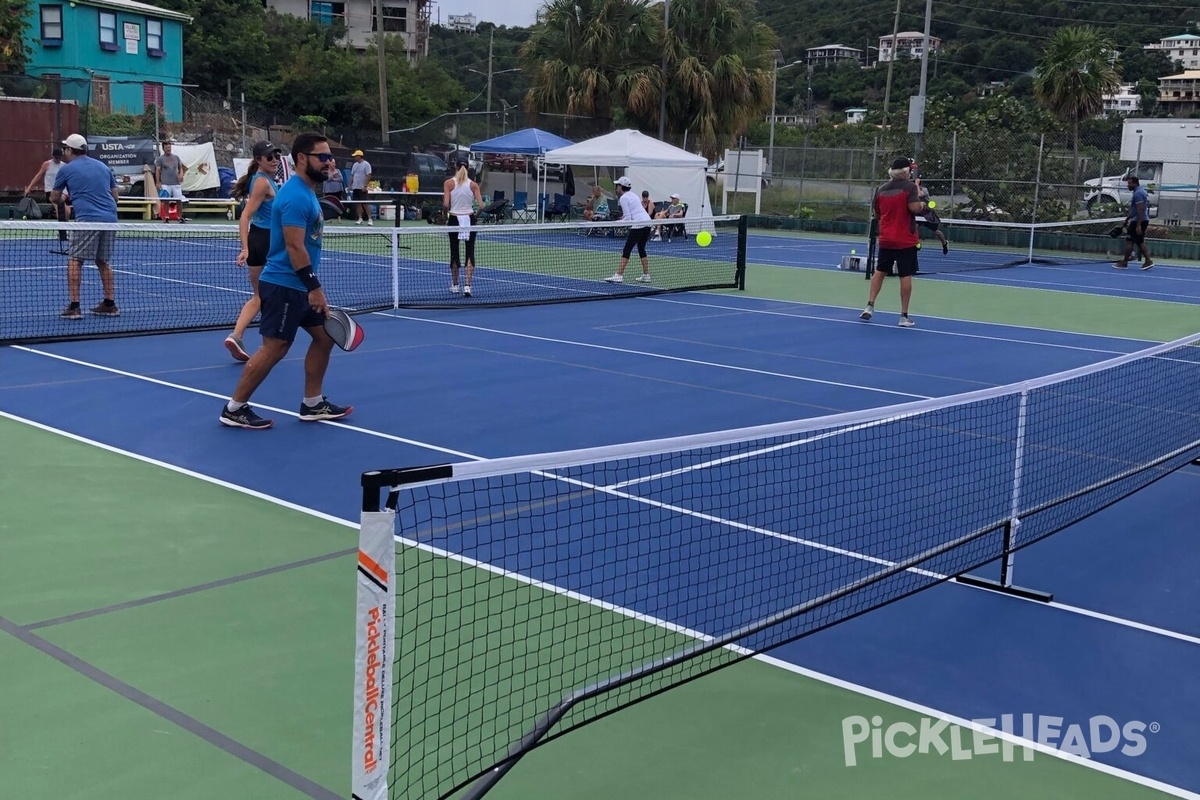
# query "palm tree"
(720, 63)
(590, 56)
(604, 58)
(1077, 68)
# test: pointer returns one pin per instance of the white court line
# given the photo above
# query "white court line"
(796, 669)
(1101, 291)
(856, 321)
(341, 425)
(646, 354)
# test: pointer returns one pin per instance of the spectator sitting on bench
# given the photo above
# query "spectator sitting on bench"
(595, 208)
(676, 210)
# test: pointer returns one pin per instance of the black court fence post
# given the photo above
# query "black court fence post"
(741, 253)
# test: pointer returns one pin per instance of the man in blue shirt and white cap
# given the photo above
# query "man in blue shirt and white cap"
(93, 191)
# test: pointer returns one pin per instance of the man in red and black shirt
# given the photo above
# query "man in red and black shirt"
(896, 203)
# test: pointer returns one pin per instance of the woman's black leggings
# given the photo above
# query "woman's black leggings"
(455, 261)
(639, 237)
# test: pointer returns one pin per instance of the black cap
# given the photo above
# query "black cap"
(264, 148)
(902, 163)
(462, 160)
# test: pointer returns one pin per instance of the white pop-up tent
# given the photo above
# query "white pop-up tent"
(657, 167)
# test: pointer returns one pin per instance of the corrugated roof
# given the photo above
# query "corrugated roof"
(137, 8)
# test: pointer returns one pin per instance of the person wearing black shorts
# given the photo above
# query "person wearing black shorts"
(634, 212)
(257, 187)
(897, 204)
(1136, 225)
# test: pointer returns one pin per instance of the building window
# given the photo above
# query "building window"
(154, 37)
(52, 26)
(108, 30)
(326, 13)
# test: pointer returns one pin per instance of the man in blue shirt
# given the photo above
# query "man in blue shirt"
(93, 192)
(291, 297)
(1136, 224)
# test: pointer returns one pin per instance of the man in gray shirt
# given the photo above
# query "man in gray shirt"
(360, 179)
(169, 170)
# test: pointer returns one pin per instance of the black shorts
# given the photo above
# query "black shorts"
(1136, 232)
(258, 242)
(359, 194)
(284, 311)
(902, 262)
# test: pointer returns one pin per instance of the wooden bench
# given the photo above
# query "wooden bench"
(148, 207)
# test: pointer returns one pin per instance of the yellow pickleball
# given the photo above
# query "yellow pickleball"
(932, 204)
(704, 238)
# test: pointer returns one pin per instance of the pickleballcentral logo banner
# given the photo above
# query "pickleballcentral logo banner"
(872, 738)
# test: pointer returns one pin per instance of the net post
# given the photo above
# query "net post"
(375, 624)
(395, 236)
(741, 253)
(1011, 524)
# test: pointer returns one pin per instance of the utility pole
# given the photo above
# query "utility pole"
(887, 92)
(662, 107)
(383, 98)
(917, 126)
(491, 41)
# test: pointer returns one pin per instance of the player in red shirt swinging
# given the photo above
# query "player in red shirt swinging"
(896, 203)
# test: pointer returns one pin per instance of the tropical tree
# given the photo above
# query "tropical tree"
(592, 57)
(719, 73)
(13, 50)
(1077, 68)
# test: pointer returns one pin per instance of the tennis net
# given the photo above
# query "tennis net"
(183, 277)
(503, 603)
(980, 244)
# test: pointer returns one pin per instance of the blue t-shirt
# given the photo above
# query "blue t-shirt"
(262, 215)
(295, 206)
(89, 183)
(1139, 196)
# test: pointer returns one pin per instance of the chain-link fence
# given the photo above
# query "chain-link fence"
(995, 174)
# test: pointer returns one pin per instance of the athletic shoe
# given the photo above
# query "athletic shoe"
(323, 410)
(466, 290)
(370, 222)
(643, 278)
(72, 312)
(615, 279)
(454, 288)
(236, 348)
(906, 322)
(1148, 265)
(945, 248)
(358, 221)
(1121, 265)
(244, 417)
(867, 313)
(105, 310)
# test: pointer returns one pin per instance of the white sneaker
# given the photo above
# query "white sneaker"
(370, 222)
(615, 279)
(358, 222)
(644, 278)
(906, 322)
(867, 313)
(466, 291)
(454, 288)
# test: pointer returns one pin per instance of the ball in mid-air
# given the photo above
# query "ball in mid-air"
(704, 238)
(933, 204)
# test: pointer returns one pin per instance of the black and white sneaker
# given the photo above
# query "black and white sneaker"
(323, 410)
(244, 417)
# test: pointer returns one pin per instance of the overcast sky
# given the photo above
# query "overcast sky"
(513, 13)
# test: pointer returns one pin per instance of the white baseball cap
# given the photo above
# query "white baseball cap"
(75, 142)
(624, 181)
(675, 197)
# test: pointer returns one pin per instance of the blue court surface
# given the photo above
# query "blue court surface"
(1121, 639)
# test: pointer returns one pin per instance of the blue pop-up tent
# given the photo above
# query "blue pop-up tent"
(527, 142)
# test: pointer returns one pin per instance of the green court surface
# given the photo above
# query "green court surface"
(203, 647)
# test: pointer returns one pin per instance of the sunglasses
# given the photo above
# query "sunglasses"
(271, 157)
(324, 158)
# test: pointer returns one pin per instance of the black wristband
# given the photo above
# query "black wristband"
(307, 277)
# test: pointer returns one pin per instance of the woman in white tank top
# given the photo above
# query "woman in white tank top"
(461, 199)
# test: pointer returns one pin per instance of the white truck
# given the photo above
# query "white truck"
(1164, 154)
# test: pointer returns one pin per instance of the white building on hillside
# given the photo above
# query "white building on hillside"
(464, 23)
(855, 115)
(1184, 50)
(407, 20)
(1125, 100)
(830, 54)
(909, 44)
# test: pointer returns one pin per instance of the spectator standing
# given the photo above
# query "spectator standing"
(360, 180)
(169, 171)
